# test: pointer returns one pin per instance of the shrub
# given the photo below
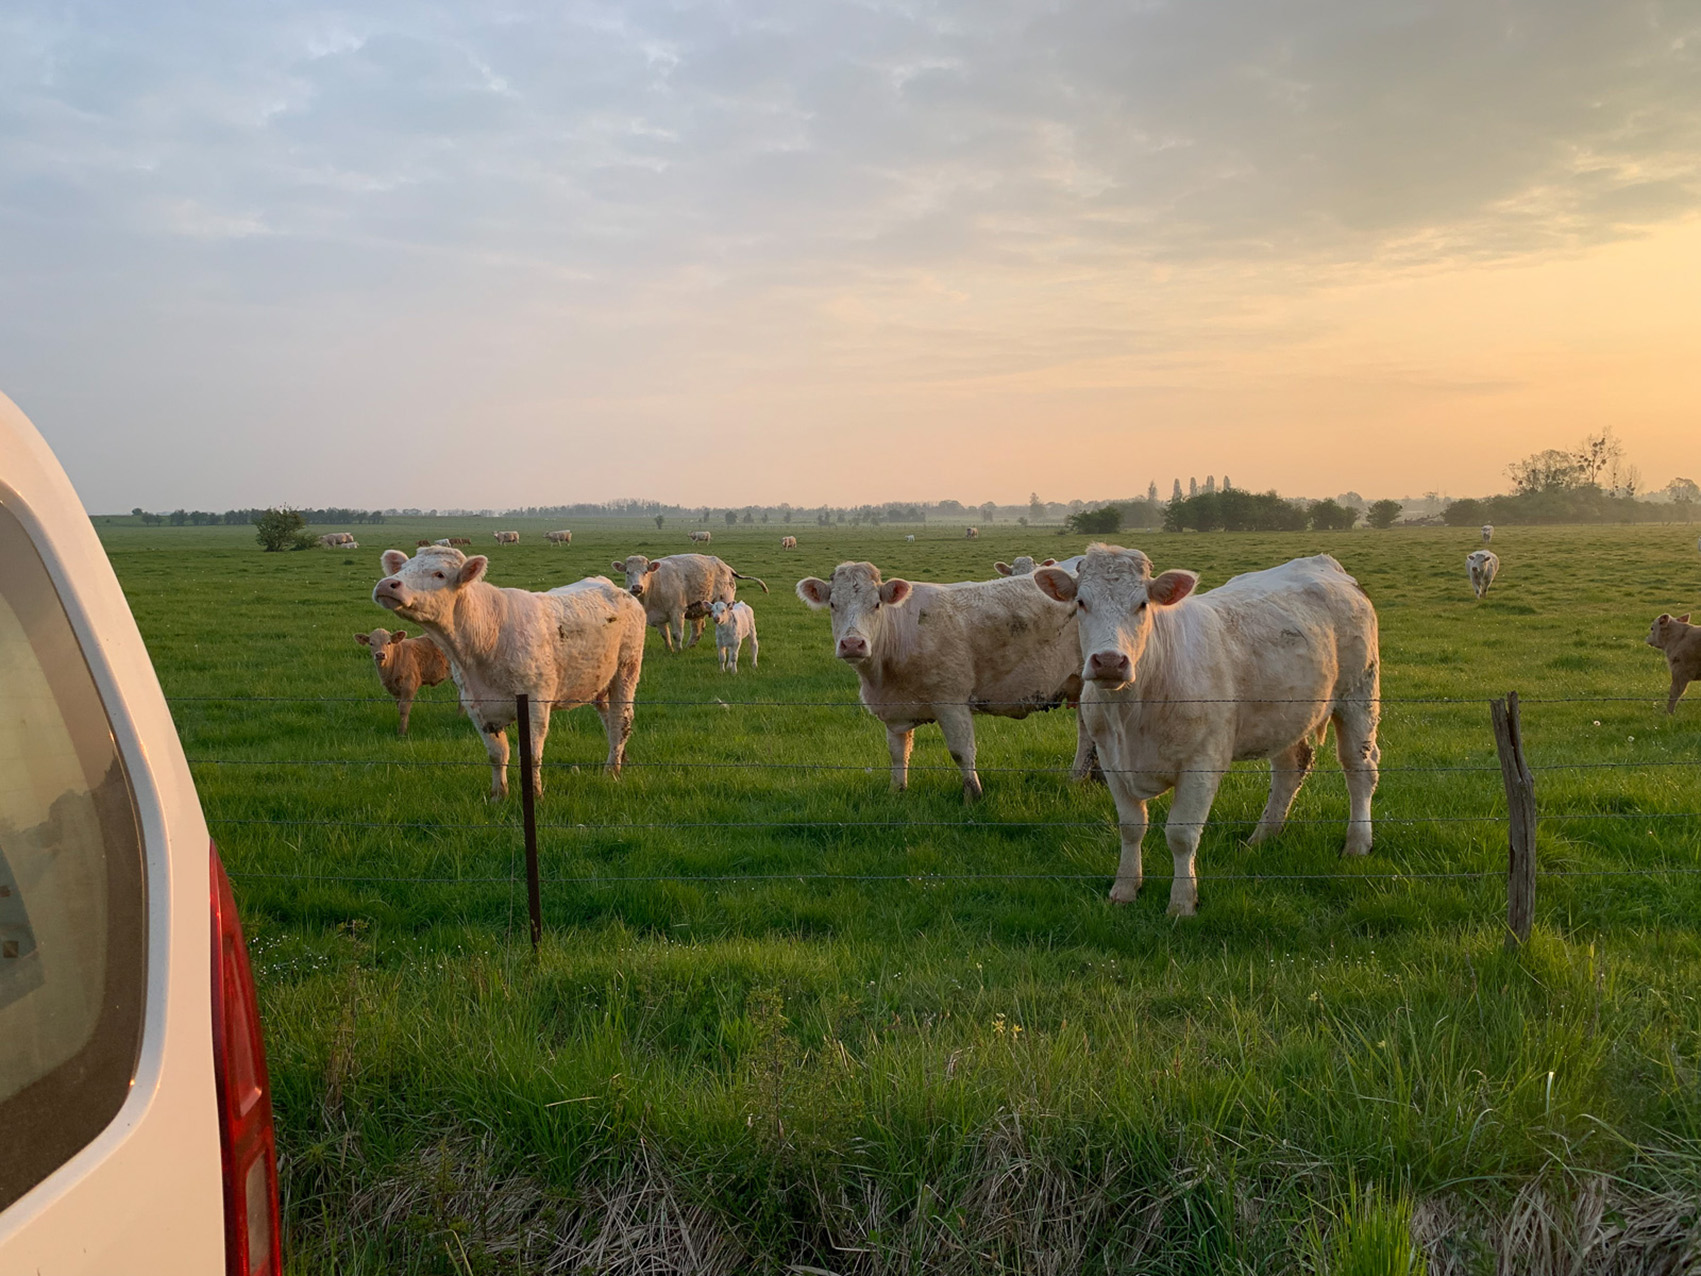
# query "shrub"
(1382, 514)
(1103, 521)
(281, 528)
(1331, 516)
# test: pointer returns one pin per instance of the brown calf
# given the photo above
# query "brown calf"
(1681, 641)
(404, 666)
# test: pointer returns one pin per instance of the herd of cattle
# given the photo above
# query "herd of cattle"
(1172, 685)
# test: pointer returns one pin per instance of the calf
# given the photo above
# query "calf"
(559, 538)
(507, 538)
(788, 542)
(1178, 688)
(679, 588)
(910, 538)
(941, 653)
(404, 666)
(1681, 641)
(734, 622)
(579, 644)
(1482, 567)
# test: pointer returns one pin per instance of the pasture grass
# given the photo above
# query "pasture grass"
(795, 1018)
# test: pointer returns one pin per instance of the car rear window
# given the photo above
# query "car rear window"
(73, 908)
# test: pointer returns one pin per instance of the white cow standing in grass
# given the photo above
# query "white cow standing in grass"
(942, 653)
(562, 537)
(506, 538)
(579, 644)
(1177, 688)
(680, 588)
(734, 622)
(1487, 533)
(1482, 567)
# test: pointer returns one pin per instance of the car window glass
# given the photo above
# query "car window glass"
(72, 907)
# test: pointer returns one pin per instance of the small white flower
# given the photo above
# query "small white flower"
(1597, 722)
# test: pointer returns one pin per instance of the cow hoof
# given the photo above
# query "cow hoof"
(1120, 894)
(1353, 850)
(1179, 908)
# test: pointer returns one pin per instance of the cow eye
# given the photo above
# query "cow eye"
(439, 575)
(1081, 605)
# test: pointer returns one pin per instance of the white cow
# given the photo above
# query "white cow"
(579, 644)
(701, 538)
(971, 533)
(507, 538)
(1482, 567)
(335, 540)
(680, 588)
(1487, 533)
(1177, 688)
(734, 622)
(441, 540)
(788, 542)
(910, 538)
(942, 653)
(559, 538)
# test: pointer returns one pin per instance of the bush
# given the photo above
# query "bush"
(1331, 516)
(1105, 521)
(1382, 514)
(281, 529)
(1233, 510)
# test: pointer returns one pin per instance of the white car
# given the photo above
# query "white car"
(135, 1115)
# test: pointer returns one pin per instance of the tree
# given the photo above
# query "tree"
(179, 517)
(987, 510)
(731, 518)
(137, 512)
(281, 528)
(1383, 513)
(1684, 491)
(1549, 470)
(1175, 492)
(1331, 516)
(1036, 507)
(1152, 490)
(660, 519)
(1464, 513)
(1104, 521)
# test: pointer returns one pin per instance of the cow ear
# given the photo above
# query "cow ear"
(618, 565)
(392, 561)
(472, 569)
(1683, 619)
(398, 635)
(1050, 562)
(1662, 618)
(1168, 588)
(1055, 583)
(1003, 569)
(815, 591)
(894, 592)
(650, 567)
(365, 640)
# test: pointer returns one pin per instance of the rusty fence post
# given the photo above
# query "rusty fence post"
(528, 810)
(1521, 820)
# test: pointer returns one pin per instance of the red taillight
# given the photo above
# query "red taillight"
(246, 1139)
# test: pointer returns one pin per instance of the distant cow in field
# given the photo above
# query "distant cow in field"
(421, 544)
(460, 540)
(579, 644)
(788, 542)
(942, 653)
(680, 588)
(701, 538)
(971, 533)
(404, 666)
(1681, 641)
(441, 540)
(734, 622)
(910, 538)
(1177, 688)
(507, 538)
(1487, 533)
(559, 538)
(1482, 567)
(335, 540)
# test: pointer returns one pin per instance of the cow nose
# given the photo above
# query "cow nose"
(852, 646)
(1108, 665)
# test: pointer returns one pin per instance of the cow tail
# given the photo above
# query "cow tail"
(757, 579)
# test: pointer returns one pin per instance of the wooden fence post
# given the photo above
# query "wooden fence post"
(1521, 820)
(528, 809)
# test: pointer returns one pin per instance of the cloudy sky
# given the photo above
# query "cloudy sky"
(507, 253)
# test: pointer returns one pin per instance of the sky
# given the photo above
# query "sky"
(435, 254)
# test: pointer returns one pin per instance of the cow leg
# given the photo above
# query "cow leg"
(1131, 823)
(1355, 745)
(496, 745)
(1186, 824)
(616, 708)
(540, 733)
(1678, 683)
(1288, 770)
(1086, 753)
(958, 724)
(899, 741)
(404, 705)
(755, 649)
(696, 631)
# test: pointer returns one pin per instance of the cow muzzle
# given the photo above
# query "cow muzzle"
(853, 647)
(388, 594)
(1109, 667)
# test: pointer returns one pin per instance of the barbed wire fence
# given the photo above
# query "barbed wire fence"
(1521, 817)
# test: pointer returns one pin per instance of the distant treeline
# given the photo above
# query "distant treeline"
(1565, 505)
(238, 518)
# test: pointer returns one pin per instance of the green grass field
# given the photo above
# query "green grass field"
(811, 1022)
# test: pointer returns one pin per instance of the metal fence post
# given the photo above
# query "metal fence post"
(1521, 820)
(528, 810)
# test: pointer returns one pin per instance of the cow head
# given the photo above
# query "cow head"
(383, 644)
(423, 587)
(857, 597)
(1666, 628)
(637, 570)
(1114, 593)
(1023, 566)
